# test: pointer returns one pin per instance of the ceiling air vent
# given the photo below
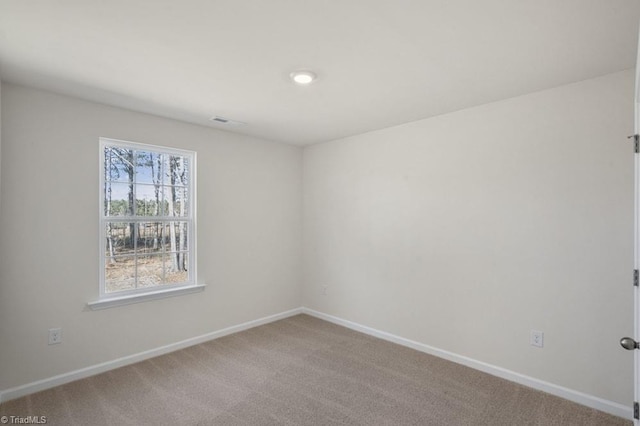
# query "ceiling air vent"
(226, 121)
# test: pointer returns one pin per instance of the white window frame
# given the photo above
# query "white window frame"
(137, 295)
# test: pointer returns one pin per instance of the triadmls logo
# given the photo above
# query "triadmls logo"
(23, 420)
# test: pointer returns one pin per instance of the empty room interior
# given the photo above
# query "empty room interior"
(314, 213)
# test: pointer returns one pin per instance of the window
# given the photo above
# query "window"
(147, 219)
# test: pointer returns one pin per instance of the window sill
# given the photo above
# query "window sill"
(112, 302)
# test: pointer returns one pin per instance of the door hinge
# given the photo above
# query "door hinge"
(636, 142)
(636, 411)
(636, 277)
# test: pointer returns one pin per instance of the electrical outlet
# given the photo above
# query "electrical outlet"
(537, 338)
(324, 290)
(55, 336)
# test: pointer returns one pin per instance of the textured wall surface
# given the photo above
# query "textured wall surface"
(249, 235)
(468, 230)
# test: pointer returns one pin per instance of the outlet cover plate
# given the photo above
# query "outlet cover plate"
(537, 338)
(55, 336)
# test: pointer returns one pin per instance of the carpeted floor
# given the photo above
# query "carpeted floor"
(300, 371)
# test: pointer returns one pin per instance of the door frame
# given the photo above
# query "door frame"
(636, 238)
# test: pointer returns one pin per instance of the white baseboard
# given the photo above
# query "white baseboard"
(61, 379)
(572, 395)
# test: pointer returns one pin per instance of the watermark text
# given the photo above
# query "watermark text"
(23, 420)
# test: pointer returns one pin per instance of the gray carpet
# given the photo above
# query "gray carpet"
(300, 371)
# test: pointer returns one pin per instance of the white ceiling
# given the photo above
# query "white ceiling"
(380, 62)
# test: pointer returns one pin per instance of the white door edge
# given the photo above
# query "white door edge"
(636, 244)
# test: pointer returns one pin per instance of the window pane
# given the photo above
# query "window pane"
(150, 271)
(175, 201)
(182, 236)
(177, 265)
(120, 274)
(182, 201)
(176, 236)
(118, 236)
(151, 237)
(153, 187)
(149, 167)
(116, 199)
(118, 164)
(148, 200)
(177, 170)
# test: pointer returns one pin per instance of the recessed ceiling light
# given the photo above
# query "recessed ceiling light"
(303, 77)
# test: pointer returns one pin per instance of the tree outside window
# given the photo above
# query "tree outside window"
(147, 219)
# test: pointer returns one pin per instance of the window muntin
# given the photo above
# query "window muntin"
(147, 221)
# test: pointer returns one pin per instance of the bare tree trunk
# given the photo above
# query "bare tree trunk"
(183, 240)
(131, 171)
(107, 167)
(172, 224)
(156, 188)
(110, 244)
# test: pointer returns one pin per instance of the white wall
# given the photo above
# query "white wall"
(0, 147)
(462, 231)
(249, 235)
(467, 230)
